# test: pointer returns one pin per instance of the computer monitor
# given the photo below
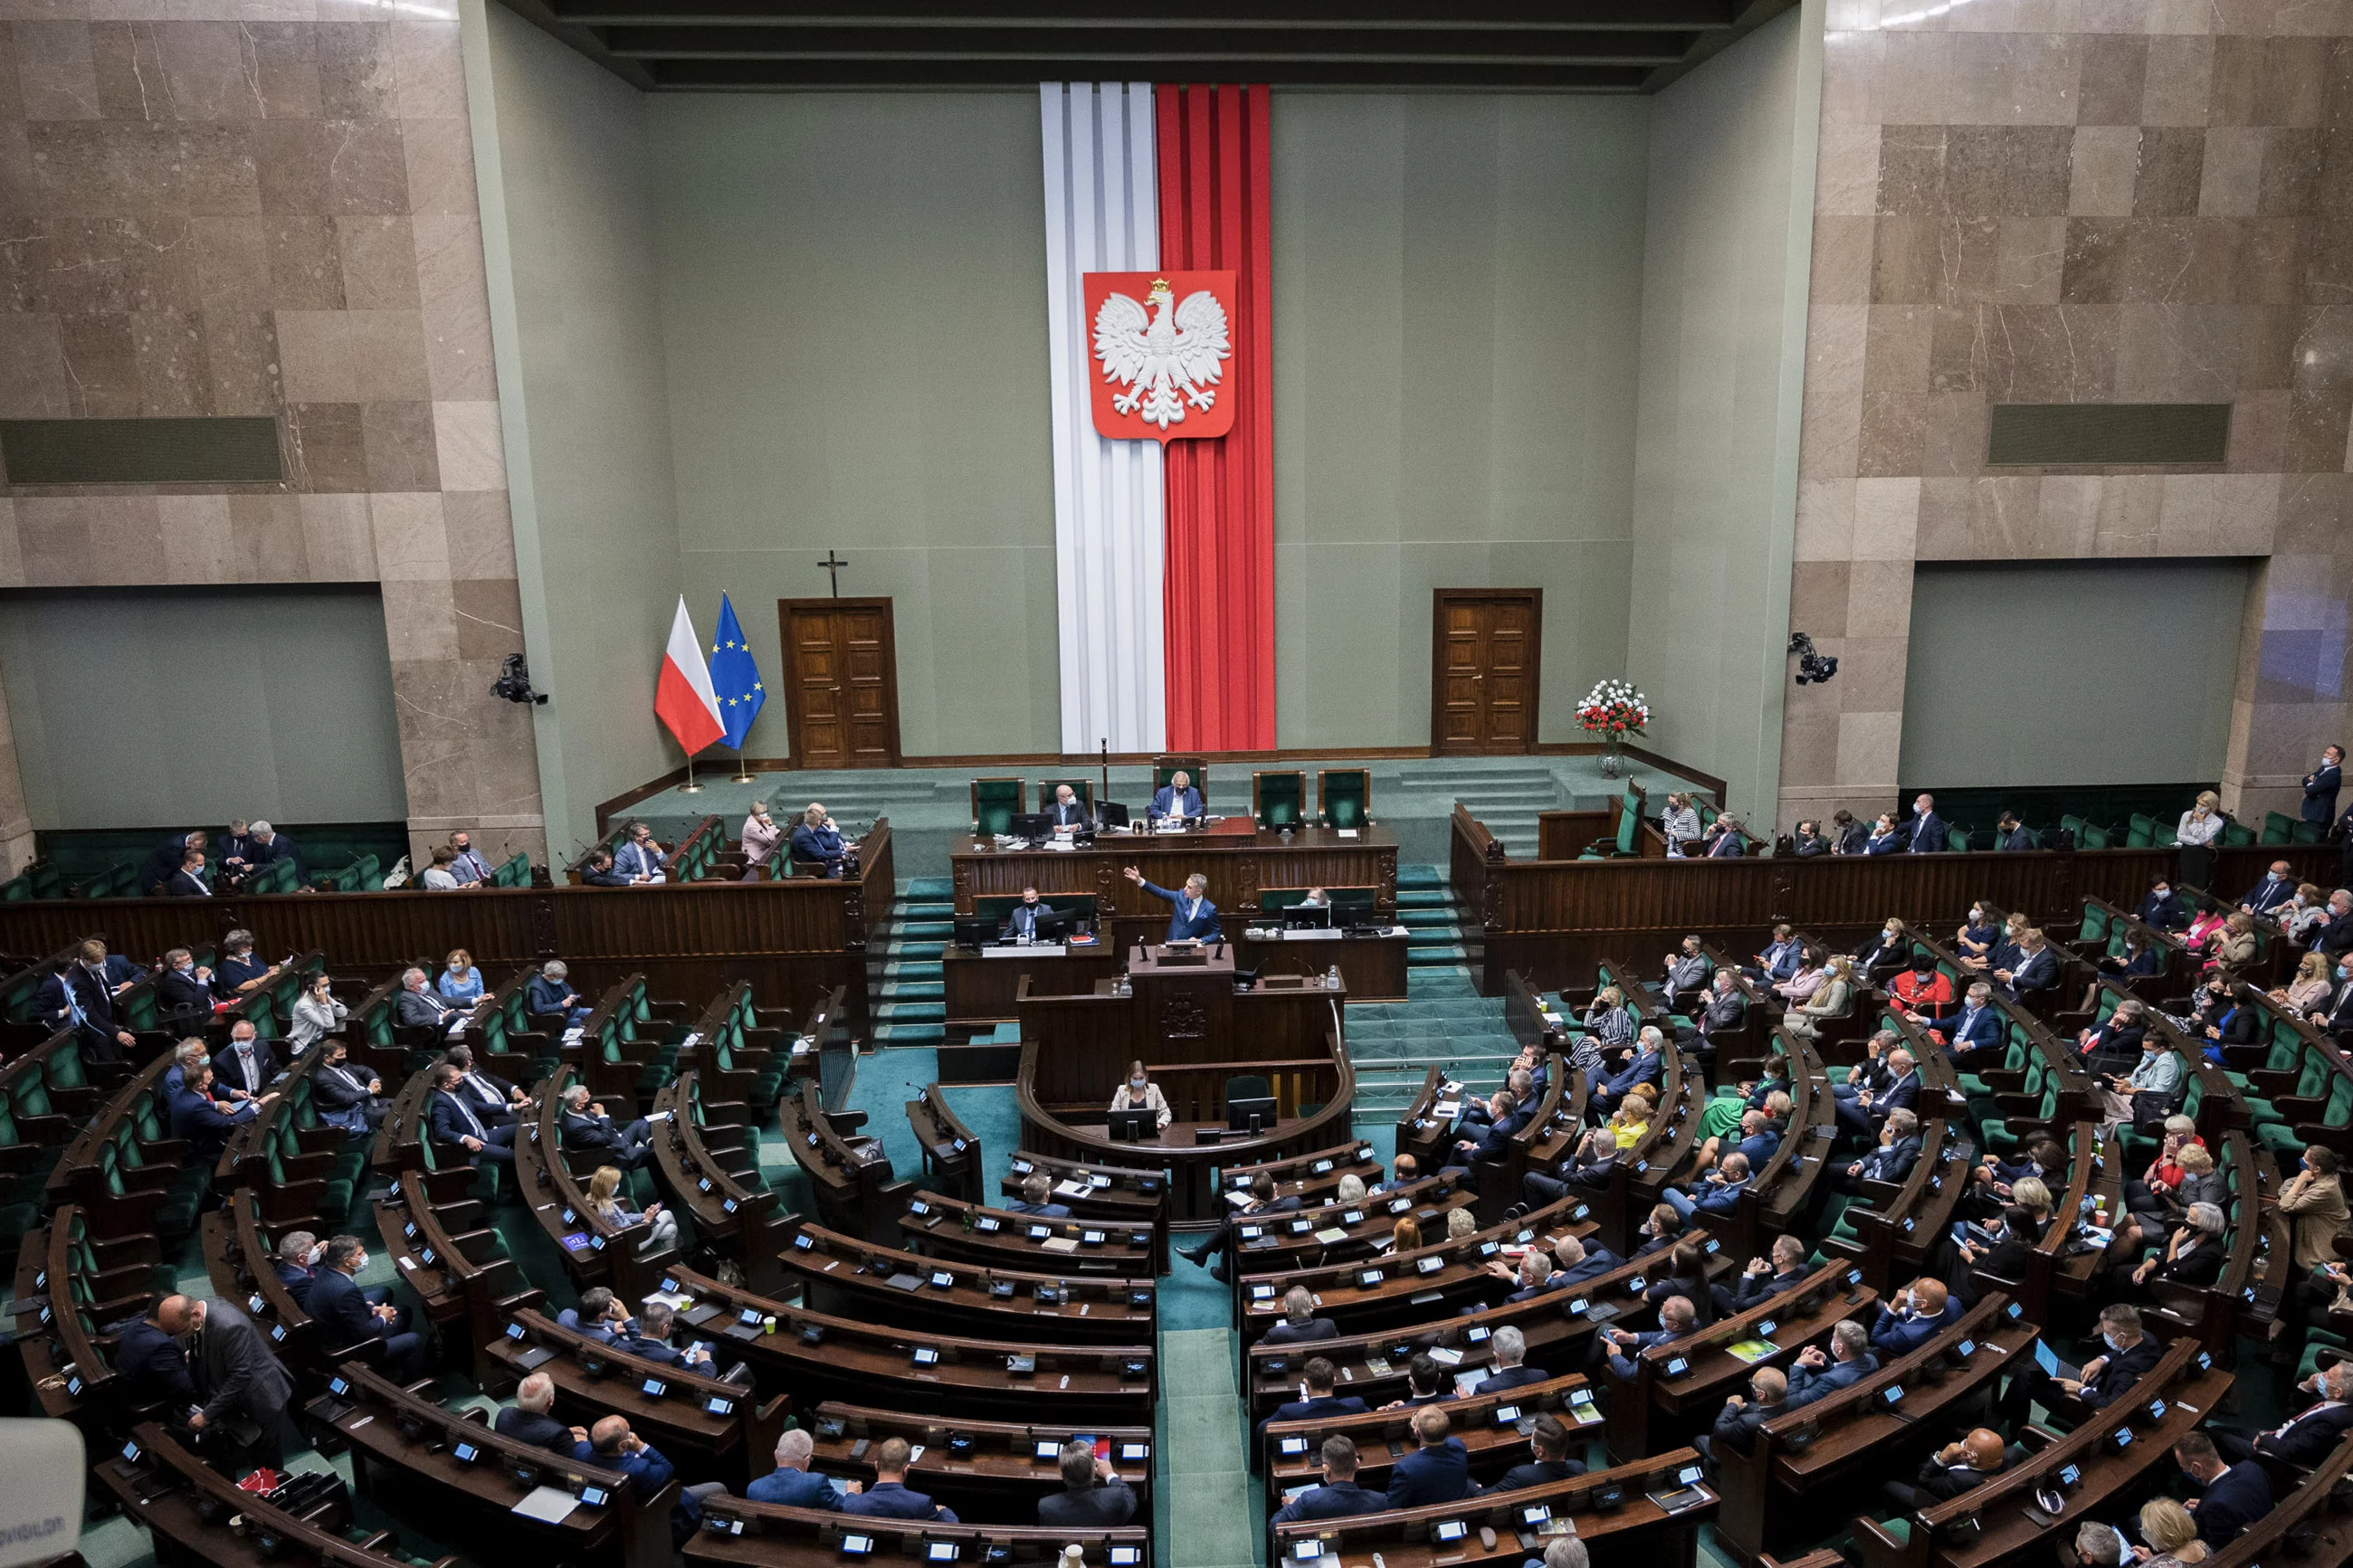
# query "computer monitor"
(1307, 917)
(1111, 814)
(1134, 1126)
(973, 931)
(1031, 824)
(1241, 1113)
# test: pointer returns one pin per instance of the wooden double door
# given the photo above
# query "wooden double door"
(841, 682)
(1486, 650)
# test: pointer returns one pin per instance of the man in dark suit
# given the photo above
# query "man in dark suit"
(2163, 907)
(1900, 1143)
(816, 843)
(1222, 1240)
(2230, 1497)
(1300, 1324)
(1927, 828)
(611, 1446)
(1510, 1347)
(2304, 1439)
(349, 1096)
(1736, 1423)
(1814, 1375)
(1914, 1316)
(2012, 835)
(418, 1008)
(599, 1316)
(550, 999)
(81, 996)
(190, 880)
(792, 1483)
(1028, 917)
(1178, 797)
(1339, 1496)
(244, 1066)
(351, 1315)
(240, 854)
(1617, 1347)
(648, 1339)
(2037, 968)
(530, 1419)
(153, 1362)
(494, 1100)
(1585, 1167)
(450, 1121)
(270, 847)
(1316, 1400)
(1969, 1028)
(2320, 786)
(1491, 1137)
(2004, 1257)
(1861, 1115)
(1726, 1009)
(2099, 1381)
(1763, 1278)
(198, 1118)
(889, 1498)
(183, 992)
(160, 867)
(1069, 810)
(2277, 888)
(1647, 1065)
(1549, 1443)
(296, 1262)
(1038, 1198)
(585, 1125)
(1191, 917)
(1951, 1470)
(2115, 1045)
(243, 1387)
(1092, 1496)
(1437, 1471)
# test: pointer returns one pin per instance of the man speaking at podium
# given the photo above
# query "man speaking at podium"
(1176, 798)
(1194, 919)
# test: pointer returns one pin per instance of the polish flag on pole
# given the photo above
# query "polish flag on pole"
(684, 699)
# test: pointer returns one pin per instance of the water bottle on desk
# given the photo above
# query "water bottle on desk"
(1331, 978)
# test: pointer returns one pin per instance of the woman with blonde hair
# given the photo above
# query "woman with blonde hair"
(2171, 1535)
(605, 1202)
(1834, 998)
(2203, 823)
(761, 836)
(1632, 1118)
(461, 983)
(1610, 1019)
(2308, 992)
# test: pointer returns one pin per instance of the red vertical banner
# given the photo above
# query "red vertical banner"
(1218, 592)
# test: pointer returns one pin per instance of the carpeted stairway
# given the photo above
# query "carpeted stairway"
(913, 1007)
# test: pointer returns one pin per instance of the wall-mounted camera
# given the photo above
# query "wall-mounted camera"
(1813, 669)
(514, 682)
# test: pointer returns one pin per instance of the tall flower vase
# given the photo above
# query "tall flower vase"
(1613, 756)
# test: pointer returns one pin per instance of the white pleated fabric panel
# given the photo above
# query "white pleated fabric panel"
(1102, 215)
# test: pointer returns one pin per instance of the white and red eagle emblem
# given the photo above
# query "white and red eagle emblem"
(1161, 362)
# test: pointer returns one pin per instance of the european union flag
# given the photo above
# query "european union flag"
(734, 679)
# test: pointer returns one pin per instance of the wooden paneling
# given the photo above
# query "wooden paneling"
(1236, 865)
(792, 939)
(1551, 920)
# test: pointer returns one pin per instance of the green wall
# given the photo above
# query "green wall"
(854, 302)
(1723, 364)
(1457, 286)
(157, 706)
(2005, 661)
(568, 231)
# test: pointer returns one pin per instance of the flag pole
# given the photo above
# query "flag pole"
(689, 787)
(743, 774)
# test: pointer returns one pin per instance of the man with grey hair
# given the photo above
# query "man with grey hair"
(1563, 1551)
(297, 1262)
(792, 1483)
(419, 1008)
(2306, 1437)
(1814, 1374)
(531, 1419)
(1646, 1066)
(550, 997)
(1300, 1324)
(2099, 1546)
(585, 1126)
(1192, 917)
(1093, 1497)
(1510, 1348)
(269, 847)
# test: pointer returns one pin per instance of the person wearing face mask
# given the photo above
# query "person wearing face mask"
(1888, 950)
(350, 1315)
(2163, 909)
(184, 992)
(245, 1064)
(761, 836)
(2127, 1353)
(1139, 1093)
(2321, 785)
(2146, 1093)
(297, 1262)
(317, 1014)
(81, 996)
(347, 1096)
(1917, 1316)
(1977, 936)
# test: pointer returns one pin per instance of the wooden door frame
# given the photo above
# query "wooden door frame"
(785, 609)
(1439, 599)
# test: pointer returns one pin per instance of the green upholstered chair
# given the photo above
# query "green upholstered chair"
(1278, 799)
(996, 802)
(1195, 768)
(2278, 828)
(1344, 796)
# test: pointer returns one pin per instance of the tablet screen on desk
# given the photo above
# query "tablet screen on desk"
(2046, 1359)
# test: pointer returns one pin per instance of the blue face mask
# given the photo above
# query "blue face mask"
(2110, 1340)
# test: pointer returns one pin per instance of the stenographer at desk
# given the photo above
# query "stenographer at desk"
(1032, 918)
(1194, 918)
(1140, 1093)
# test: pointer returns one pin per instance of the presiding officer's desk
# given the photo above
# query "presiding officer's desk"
(1234, 853)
